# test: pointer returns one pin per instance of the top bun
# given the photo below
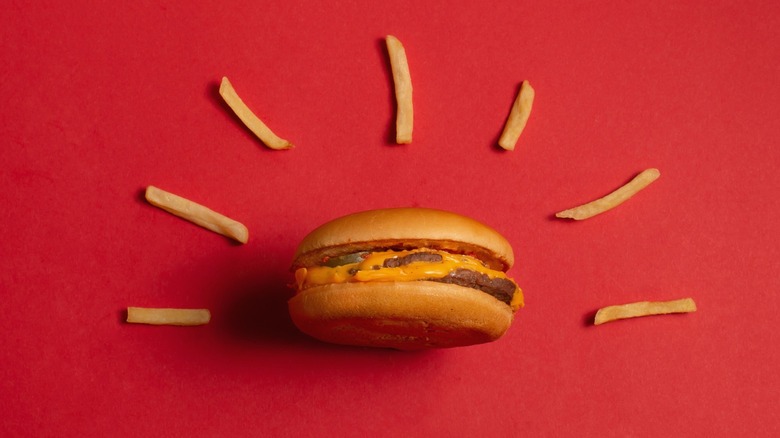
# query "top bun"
(405, 228)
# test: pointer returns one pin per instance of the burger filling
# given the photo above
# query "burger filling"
(410, 265)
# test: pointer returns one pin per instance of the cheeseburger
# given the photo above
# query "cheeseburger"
(404, 278)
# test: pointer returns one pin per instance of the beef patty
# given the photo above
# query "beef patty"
(500, 288)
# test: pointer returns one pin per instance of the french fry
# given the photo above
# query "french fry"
(404, 119)
(158, 316)
(518, 117)
(197, 214)
(260, 129)
(643, 308)
(613, 199)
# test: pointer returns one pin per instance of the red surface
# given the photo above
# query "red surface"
(103, 100)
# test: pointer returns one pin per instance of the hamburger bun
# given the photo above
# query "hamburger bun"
(404, 278)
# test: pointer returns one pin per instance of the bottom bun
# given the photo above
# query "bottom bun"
(409, 315)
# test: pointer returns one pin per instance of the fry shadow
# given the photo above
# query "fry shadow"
(140, 196)
(588, 318)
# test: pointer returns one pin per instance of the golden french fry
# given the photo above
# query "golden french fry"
(644, 308)
(157, 316)
(404, 119)
(260, 129)
(612, 200)
(518, 117)
(197, 214)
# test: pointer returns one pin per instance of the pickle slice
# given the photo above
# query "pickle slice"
(347, 259)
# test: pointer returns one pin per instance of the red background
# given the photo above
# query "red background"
(101, 100)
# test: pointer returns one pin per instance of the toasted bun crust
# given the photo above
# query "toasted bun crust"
(408, 228)
(402, 315)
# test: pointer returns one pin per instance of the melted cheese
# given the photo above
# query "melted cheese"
(371, 269)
